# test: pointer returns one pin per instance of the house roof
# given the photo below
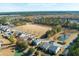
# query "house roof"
(45, 45)
(53, 48)
(22, 35)
(56, 44)
(37, 41)
(8, 34)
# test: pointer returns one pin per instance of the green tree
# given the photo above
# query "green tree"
(11, 38)
(3, 20)
(21, 45)
(74, 49)
(59, 28)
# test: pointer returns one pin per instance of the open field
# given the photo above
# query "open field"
(37, 30)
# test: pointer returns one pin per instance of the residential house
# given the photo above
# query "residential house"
(5, 28)
(51, 47)
(17, 33)
(54, 49)
(8, 30)
(36, 42)
(44, 46)
(7, 34)
(23, 36)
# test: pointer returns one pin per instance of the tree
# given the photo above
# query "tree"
(59, 28)
(21, 45)
(11, 38)
(29, 52)
(74, 49)
(3, 20)
(53, 31)
(67, 22)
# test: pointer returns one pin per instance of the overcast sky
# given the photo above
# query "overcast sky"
(12, 7)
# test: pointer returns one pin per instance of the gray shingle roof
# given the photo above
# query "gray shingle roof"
(53, 48)
(37, 41)
(46, 45)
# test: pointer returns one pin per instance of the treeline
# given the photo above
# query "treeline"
(48, 21)
(18, 22)
(13, 20)
(39, 20)
(53, 31)
(70, 25)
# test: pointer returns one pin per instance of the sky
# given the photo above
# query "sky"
(13, 7)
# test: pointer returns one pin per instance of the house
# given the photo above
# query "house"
(8, 30)
(17, 33)
(45, 46)
(30, 36)
(50, 47)
(4, 28)
(54, 49)
(7, 34)
(36, 42)
(23, 36)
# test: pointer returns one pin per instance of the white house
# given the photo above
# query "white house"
(23, 36)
